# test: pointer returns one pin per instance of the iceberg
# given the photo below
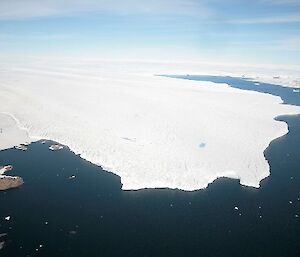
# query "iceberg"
(147, 129)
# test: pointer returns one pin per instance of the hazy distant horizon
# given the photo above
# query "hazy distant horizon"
(234, 31)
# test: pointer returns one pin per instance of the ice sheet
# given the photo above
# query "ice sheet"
(10, 133)
(146, 129)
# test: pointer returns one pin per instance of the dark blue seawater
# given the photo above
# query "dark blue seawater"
(91, 216)
(286, 93)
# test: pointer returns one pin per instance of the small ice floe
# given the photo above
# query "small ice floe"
(37, 249)
(3, 234)
(72, 177)
(236, 208)
(5, 168)
(260, 216)
(21, 147)
(296, 216)
(46, 222)
(43, 142)
(296, 90)
(7, 218)
(256, 83)
(290, 202)
(2, 243)
(55, 147)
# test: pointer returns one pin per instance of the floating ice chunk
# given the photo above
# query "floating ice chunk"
(7, 218)
(236, 208)
(21, 147)
(3, 234)
(296, 90)
(55, 147)
(5, 168)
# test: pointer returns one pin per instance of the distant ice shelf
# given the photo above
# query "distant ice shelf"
(152, 131)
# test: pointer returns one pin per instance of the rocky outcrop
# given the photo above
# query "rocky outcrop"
(8, 182)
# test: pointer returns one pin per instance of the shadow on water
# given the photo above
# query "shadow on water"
(52, 215)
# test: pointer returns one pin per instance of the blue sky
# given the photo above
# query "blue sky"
(242, 31)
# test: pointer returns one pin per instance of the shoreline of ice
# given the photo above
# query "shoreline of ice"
(229, 175)
(164, 119)
(11, 132)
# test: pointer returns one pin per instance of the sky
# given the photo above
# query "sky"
(233, 31)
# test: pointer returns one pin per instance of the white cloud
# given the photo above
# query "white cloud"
(20, 9)
(289, 44)
(34, 36)
(281, 2)
(295, 18)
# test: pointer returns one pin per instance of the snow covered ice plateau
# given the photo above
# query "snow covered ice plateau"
(152, 131)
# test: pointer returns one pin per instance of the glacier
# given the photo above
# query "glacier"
(144, 128)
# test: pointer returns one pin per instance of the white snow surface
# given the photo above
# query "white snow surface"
(10, 133)
(146, 129)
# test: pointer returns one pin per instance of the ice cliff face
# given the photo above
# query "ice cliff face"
(151, 131)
